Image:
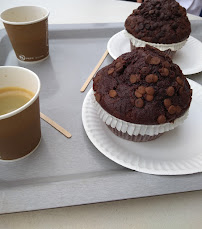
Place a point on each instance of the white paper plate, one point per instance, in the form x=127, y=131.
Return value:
x=189, y=58
x=174, y=153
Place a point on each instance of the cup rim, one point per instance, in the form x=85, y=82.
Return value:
x=30, y=102
x=27, y=22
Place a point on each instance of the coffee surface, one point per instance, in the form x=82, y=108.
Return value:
x=12, y=98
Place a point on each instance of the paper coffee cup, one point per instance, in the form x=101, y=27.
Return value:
x=27, y=29
x=20, y=130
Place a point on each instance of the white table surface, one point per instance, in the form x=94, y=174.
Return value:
x=169, y=211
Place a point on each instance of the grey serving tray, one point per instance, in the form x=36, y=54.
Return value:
x=66, y=172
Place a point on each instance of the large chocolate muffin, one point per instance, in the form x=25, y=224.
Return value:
x=159, y=21
x=143, y=87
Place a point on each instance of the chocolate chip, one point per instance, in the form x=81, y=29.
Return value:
x=137, y=30
x=155, y=60
x=97, y=77
x=110, y=71
x=155, y=78
x=149, y=97
x=146, y=14
x=148, y=59
x=112, y=93
x=179, y=80
x=145, y=70
x=172, y=74
x=172, y=109
x=147, y=26
x=161, y=34
x=170, y=91
x=134, y=78
x=132, y=24
x=138, y=94
x=161, y=119
x=149, y=90
x=151, y=11
x=164, y=71
x=167, y=103
x=174, y=25
x=141, y=26
x=166, y=64
x=97, y=97
x=141, y=90
x=139, y=103
x=181, y=90
x=178, y=109
x=118, y=66
x=128, y=21
x=151, y=78
x=140, y=35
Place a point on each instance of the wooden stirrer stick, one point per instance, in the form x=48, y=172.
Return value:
x=55, y=125
x=94, y=71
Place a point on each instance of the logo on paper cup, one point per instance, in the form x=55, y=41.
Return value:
x=22, y=57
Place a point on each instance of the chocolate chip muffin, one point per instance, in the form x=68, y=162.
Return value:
x=145, y=90
x=160, y=23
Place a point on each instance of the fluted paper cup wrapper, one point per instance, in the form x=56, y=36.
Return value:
x=27, y=29
x=134, y=138
x=163, y=47
x=132, y=128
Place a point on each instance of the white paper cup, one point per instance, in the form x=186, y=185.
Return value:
x=20, y=130
x=27, y=29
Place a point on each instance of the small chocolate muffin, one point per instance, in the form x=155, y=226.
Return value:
x=143, y=87
x=159, y=22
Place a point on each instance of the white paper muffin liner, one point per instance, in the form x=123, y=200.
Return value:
x=134, y=138
x=135, y=129
x=163, y=47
